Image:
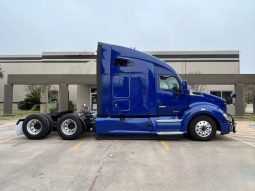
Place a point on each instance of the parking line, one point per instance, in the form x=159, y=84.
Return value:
x=245, y=137
x=5, y=140
x=165, y=145
x=245, y=142
x=77, y=145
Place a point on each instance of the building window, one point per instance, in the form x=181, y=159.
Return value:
x=226, y=95
x=52, y=96
x=216, y=93
x=93, y=99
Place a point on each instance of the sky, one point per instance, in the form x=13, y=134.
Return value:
x=34, y=26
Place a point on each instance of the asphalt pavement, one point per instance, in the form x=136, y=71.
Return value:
x=108, y=164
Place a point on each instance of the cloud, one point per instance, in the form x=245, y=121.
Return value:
x=76, y=25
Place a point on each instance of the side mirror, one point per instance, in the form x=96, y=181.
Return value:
x=233, y=95
x=185, y=87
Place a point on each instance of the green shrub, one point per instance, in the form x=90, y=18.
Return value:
x=70, y=105
x=55, y=107
x=31, y=101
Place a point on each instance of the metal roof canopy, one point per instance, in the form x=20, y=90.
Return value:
x=219, y=79
x=47, y=79
x=206, y=79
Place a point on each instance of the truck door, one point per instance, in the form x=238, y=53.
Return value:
x=170, y=99
x=121, y=93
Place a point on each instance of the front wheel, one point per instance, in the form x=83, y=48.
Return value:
x=202, y=128
x=69, y=126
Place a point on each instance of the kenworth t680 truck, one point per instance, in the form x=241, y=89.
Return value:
x=137, y=94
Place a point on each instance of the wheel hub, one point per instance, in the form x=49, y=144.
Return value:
x=68, y=126
x=34, y=126
x=71, y=125
x=37, y=125
x=203, y=128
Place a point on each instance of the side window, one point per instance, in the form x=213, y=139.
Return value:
x=122, y=62
x=169, y=83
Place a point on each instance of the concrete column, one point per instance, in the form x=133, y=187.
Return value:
x=8, y=98
x=253, y=101
x=83, y=96
x=240, y=99
x=44, y=100
x=63, y=97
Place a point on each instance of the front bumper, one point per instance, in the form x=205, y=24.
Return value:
x=228, y=125
x=232, y=126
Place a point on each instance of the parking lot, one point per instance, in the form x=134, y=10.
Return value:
x=226, y=163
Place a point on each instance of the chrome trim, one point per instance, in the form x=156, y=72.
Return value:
x=168, y=120
x=170, y=133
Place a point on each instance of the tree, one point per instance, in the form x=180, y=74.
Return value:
x=249, y=93
x=197, y=87
x=31, y=101
x=43, y=94
x=39, y=90
x=1, y=73
x=36, y=95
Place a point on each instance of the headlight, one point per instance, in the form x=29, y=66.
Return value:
x=226, y=116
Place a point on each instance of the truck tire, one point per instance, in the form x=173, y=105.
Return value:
x=69, y=126
x=51, y=123
x=202, y=128
x=35, y=126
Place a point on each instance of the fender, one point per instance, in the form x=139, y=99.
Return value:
x=203, y=108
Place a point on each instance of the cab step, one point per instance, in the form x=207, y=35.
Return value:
x=170, y=133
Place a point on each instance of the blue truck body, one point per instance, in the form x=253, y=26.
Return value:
x=140, y=94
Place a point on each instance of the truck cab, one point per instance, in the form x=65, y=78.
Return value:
x=140, y=94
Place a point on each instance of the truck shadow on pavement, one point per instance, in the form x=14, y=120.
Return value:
x=217, y=138
x=90, y=136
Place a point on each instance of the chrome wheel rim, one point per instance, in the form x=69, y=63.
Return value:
x=203, y=128
x=68, y=127
x=34, y=126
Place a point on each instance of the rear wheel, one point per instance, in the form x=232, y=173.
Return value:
x=69, y=126
x=51, y=123
x=35, y=126
x=202, y=128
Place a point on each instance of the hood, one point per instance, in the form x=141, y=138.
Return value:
x=204, y=97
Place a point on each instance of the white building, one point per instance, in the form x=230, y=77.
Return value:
x=184, y=62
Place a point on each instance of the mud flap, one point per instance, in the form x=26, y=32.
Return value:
x=18, y=128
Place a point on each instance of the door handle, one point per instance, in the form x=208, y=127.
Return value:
x=162, y=106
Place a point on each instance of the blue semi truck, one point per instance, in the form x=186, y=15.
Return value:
x=141, y=95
